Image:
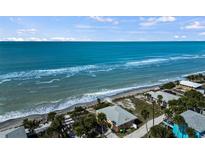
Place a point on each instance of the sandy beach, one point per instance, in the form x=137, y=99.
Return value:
x=18, y=121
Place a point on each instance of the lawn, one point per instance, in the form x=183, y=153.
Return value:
x=141, y=105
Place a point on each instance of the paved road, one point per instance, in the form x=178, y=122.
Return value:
x=110, y=134
x=142, y=131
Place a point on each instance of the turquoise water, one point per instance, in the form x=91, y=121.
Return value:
x=39, y=77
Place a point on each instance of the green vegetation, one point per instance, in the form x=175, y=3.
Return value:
x=78, y=112
x=145, y=115
x=191, y=132
x=142, y=105
x=86, y=126
x=57, y=129
x=169, y=85
x=51, y=116
x=160, y=131
x=159, y=101
x=31, y=124
x=101, y=105
x=191, y=100
x=102, y=121
x=196, y=78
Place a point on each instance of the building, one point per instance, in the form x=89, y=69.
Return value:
x=118, y=117
x=14, y=133
x=192, y=85
x=166, y=97
x=193, y=120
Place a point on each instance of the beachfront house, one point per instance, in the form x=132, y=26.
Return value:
x=18, y=132
x=166, y=97
x=118, y=117
x=192, y=85
x=193, y=120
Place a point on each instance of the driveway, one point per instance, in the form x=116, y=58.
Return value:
x=142, y=131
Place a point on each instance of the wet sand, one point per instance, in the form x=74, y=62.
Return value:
x=18, y=122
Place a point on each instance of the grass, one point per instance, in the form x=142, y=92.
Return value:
x=141, y=105
x=127, y=131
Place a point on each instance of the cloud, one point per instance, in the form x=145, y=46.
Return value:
x=16, y=39
x=155, y=20
x=180, y=36
x=62, y=39
x=30, y=31
x=202, y=33
x=104, y=19
x=194, y=25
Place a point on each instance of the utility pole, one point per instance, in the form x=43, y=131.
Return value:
x=153, y=103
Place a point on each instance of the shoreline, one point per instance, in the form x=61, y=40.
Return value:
x=12, y=123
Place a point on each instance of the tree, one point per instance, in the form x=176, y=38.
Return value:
x=179, y=120
x=169, y=85
x=159, y=97
x=145, y=115
x=57, y=126
x=86, y=125
x=191, y=132
x=148, y=96
x=159, y=131
x=51, y=116
x=168, y=113
x=102, y=120
x=31, y=124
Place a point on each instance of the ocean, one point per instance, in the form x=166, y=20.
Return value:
x=40, y=77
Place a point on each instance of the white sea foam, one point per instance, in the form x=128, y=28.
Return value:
x=5, y=80
x=47, y=82
x=146, y=62
x=91, y=69
x=59, y=105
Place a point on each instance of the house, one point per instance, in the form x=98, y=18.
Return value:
x=192, y=85
x=42, y=128
x=166, y=97
x=118, y=117
x=193, y=120
x=18, y=132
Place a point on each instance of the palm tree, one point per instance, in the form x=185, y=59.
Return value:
x=145, y=115
x=160, y=131
x=191, y=132
x=153, y=104
x=148, y=96
x=179, y=120
x=101, y=120
x=159, y=101
x=168, y=113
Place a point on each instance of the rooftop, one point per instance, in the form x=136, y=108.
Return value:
x=194, y=120
x=190, y=84
x=117, y=115
x=166, y=96
x=14, y=133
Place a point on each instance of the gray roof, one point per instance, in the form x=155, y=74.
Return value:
x=190, y=84
x=117, y=115
x=166, y=96
x=14, y=133
x=194, y=120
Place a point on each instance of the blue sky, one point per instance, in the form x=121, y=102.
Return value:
x=102, y=28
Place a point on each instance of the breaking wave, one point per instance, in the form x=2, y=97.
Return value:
x=60, y=104
x=90, y=69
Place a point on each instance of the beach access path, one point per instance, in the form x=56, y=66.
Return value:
x=142, y=131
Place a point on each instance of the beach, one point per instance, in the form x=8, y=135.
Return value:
x=41, y=77
x=12, y=123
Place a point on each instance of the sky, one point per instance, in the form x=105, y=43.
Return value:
x=102, y=28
